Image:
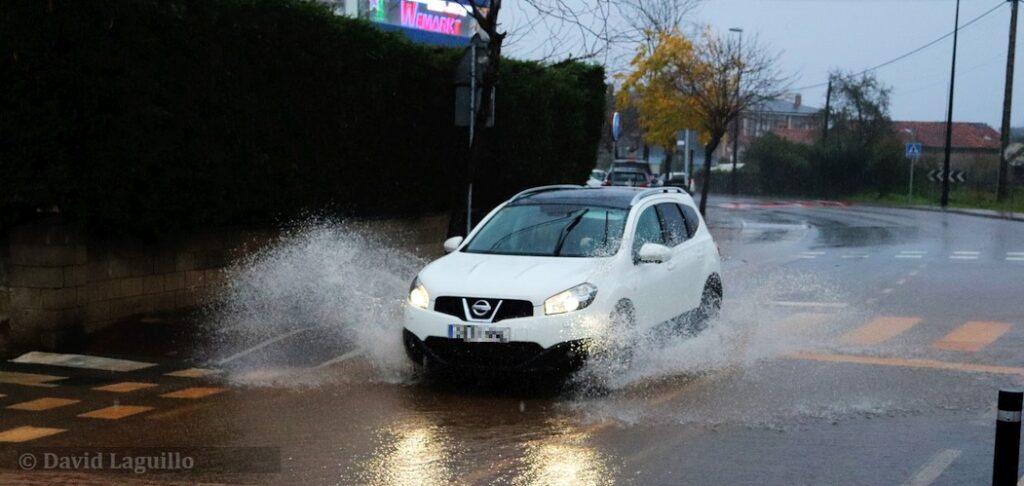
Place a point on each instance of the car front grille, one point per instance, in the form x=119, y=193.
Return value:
x=499, y=309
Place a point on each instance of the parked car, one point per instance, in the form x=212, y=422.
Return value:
x=631, y=165
x=555, y=271
x=675, y=179
x=596, y=178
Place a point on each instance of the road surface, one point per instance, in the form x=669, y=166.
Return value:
x=857, y=345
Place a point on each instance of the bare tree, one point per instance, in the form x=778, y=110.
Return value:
x=711, y=78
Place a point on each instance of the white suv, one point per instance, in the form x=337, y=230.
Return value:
x=556, y=269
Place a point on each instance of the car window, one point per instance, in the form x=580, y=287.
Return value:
x=648, y=230
x=551, y=230
x=692, y=220
x=675, y=225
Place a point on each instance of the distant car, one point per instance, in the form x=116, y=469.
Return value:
x=629, y=178
x=632, y=166
x=675, y=179
x=596, y=178
x=553, y=273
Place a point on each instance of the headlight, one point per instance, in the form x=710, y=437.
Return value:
x=570, y=300
x=418, y=295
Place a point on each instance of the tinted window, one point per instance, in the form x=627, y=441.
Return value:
x=675, y=225
x=692, y=220
x=648, y=229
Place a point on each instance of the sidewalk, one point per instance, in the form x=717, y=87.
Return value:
x=984, y=213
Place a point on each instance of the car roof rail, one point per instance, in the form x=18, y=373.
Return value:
x=538, y=190
x=657, y=190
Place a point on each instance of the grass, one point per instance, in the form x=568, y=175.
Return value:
x=959, y=198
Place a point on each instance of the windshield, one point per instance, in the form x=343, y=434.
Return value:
x=597, y=175
x=551, y=230
x=628, y=177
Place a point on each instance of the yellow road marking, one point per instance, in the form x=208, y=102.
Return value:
x=193, y=393
x=192, y=373
x=909, y=363
x=801, y=322
x=41, y=404
x=29, y=379
x=879, y=330
x=27, y=433
x=972, y=336
x=116, y=412
x=125, y=387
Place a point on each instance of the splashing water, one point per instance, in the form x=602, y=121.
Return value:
x=337, y=278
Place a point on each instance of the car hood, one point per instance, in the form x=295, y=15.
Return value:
x=508, y=277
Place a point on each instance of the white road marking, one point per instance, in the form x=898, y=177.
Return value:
x=81, y=361
x=887, y=291
x=808, y=257
x=1015, y=253
x=963, y=257
x=830, y=305
x=901, y=281
x=909, y=256
x=339, y=359
x=854, y=256
x=1015, y=259
x=913, y=273
x=967, y=253
x=818, y=253
x=934, y=468
x=913, y=252
x=264, y=344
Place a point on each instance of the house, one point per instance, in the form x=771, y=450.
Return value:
x=973, y=145
x=787, y=118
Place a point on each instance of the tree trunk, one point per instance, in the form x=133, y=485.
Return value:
x=666, y=167
x=709, y=149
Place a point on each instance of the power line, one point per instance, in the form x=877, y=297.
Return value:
x=915, y=51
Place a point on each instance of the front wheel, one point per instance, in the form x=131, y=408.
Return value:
x=710, y=303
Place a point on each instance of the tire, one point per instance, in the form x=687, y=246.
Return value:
x=710, y=303
x=618, y=353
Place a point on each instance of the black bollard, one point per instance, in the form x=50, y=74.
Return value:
x=1007, y=453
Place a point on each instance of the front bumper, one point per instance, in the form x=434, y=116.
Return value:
x=537, y=342
x=513, y=356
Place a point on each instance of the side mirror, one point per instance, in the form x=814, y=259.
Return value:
x=655, y=253
x=452, y=244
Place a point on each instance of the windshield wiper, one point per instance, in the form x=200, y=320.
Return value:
x=505, y=238
x=568, y=228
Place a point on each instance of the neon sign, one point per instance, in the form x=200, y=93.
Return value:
x=437, y=16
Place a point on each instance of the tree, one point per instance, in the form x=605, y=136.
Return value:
x=707, y=75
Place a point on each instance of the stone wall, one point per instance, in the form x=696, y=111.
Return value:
x=56, y=285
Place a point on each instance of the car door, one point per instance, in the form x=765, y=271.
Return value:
x=650, y=282
x=685, y=267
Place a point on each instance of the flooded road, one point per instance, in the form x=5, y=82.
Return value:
x=856, y=345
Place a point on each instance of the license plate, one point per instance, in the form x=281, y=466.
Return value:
x=479, y=334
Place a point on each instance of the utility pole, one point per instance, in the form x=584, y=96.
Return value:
x=739, y=116
x=828, y=108
x=949, y=113
x=1007, y=103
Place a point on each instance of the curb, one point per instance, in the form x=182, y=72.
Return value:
x=981, y=213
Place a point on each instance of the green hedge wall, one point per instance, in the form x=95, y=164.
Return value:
x=149, y=116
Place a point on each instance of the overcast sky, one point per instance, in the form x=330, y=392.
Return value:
x=815, y=36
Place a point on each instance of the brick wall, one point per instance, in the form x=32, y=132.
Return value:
x=56, y=285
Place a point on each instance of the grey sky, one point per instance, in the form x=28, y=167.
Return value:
x=814, y=36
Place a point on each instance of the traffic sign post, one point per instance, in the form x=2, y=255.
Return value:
x=616, y=129
x=913, y=153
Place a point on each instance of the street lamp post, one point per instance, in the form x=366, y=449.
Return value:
x=949, y=113
x=736, y=123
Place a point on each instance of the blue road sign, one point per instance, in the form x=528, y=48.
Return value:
x=913, y=151
x=616, y=126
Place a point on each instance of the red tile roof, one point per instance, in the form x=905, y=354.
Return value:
x=976, y=136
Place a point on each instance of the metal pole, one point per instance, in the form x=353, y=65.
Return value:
x=1007, y=446
x=736, y=124
x=828, y=108
x=1007, y=104
x=910, y=189
x=472, y=134
x=949, y=114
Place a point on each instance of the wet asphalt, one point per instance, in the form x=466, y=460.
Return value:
x=857, y=345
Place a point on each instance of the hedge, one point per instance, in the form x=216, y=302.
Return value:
x=151, y=116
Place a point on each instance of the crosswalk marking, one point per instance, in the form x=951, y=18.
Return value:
x=934, y=468
x=972, y=336
x=41, y=404
x=29, y=379
x=967, y=253
x=879, y=330
x=909, y=363
x=1015, y=259
x=26, y=433
x=963, y=257
x=850, y=257
x=116, y=412
x=125, y=387
x=913, y=252
x=193, y=393
x=81, y=361
x=192, y=373
x=909, y=256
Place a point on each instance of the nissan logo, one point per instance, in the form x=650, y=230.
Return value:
x=481, y=308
